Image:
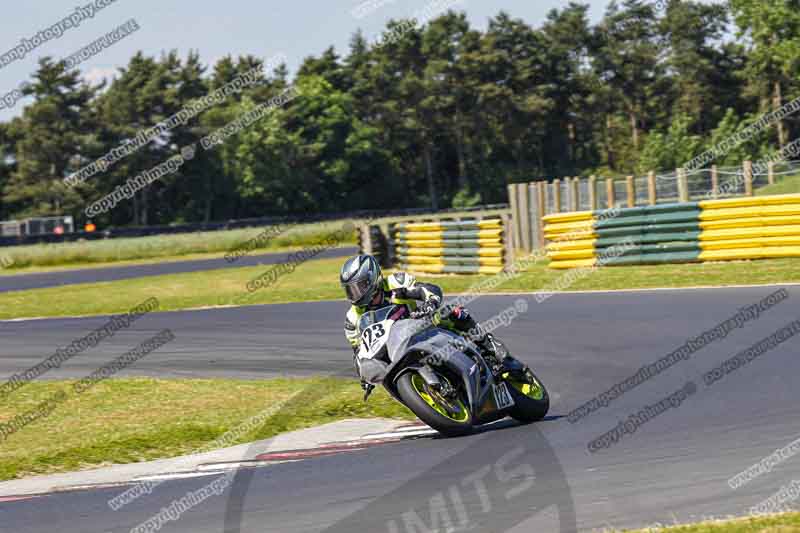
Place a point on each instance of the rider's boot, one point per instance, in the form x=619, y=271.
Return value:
x=492, y=350
x=494, y=353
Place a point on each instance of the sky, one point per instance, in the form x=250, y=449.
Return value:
x=294, y=28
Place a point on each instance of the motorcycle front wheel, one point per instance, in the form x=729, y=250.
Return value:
x=531, y=401
x=451, y=417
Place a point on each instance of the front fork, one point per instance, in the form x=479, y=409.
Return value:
x=434, y=383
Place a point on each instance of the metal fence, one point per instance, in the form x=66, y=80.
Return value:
x=37, y=226
x=531, y=201
x=12, y=234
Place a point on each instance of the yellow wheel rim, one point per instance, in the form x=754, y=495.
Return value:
x=419, y=386
x=531, y=390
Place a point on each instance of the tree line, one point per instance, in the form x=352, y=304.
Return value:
x=439, y=115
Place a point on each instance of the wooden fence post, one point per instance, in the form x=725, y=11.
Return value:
x=652, y=191
x=714, y=181
x=556, y=195
x=610, y=201
x=525, y=213
x=508, y=224
x=535, y=215
x=388, y=256
x=592, y=186
x=575, y=195
x=542, y=186
x=364, y=239
x=771, y=173
x=683, y=186
x=568, y=193
x=748, y=178
x=630, y=188
x=546, y=198
x=515, y=215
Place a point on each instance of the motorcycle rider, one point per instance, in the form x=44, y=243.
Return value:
x=367, y=290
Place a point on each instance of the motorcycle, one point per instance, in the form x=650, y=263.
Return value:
x=443, y=378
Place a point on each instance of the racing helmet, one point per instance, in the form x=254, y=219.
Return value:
x=361, y=279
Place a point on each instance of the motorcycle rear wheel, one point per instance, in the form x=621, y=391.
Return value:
x=451, y=418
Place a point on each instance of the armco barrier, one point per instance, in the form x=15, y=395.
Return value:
x=466, y=246
x=713, y=230
x=146, y=231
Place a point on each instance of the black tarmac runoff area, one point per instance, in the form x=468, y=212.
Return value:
x=42, y=280
x=606, y=469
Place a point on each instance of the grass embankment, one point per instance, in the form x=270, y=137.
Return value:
x=131, y=420
x=318, y=280
x=784, y=185
x=780, y=523
x=159, y=248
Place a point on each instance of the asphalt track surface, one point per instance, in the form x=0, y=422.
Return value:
x=512, y=478
x=43, y=280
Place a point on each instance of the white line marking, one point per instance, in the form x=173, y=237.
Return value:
x=175, y=475
x=220, y=467
x=410, y=428
x=651, y=289
x=417, y=433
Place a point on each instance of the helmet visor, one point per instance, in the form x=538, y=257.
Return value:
x=358, y=291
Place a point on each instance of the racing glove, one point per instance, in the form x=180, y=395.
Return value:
x=426, y=308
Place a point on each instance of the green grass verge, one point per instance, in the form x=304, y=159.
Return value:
x=132, y=262
x=157, y=248
x=779, y=523
x=318, y=280
x=132, y=420
x=785, y=185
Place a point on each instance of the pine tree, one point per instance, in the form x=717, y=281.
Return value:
x=49, y=138
x=773, y=30
x=627, y=59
